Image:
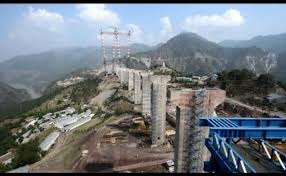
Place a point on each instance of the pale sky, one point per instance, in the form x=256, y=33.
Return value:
x=33, y=28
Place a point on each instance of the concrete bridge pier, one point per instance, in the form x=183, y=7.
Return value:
x=190, y=150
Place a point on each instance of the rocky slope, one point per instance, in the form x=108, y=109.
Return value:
x=191, y=54
x=10, y=96
x=273, y=43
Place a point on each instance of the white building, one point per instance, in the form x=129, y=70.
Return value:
x=170, y=165
x=25, y=135
x=49, y=141
x=31, y=123
x=187, y=79
x=7, y=158
x=70, y=110
x=24, y=169
x=276, y=98
x=196, y=78
x=29, y=136
x=66, y=121
x=204, y=78
x=91, y=115
x=47, y=116
x=46, y=124
x=78, y=123
x=87, y=113
x=214, y=77
x=171, y=169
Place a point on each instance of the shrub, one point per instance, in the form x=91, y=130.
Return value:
x=3, y=168
x=27, y=153
x=122, y=107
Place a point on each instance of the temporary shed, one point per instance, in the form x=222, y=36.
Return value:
x=49, y=141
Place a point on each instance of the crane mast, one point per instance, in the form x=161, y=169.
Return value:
x=116, y=47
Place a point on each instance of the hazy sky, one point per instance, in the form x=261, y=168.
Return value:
x=32, y=28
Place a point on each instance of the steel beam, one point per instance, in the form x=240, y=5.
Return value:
x=244, y=121
x=227, y=158
x=264, y=128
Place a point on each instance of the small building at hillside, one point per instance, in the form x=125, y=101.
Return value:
x=184, y=79
x=49, y=141
x=23, y=169
x=214, y=77
x=31, y=123
x=204, y=78
x=276, y=98
x=6, y=158
x=196, y=78
x=170, y=132
x=78, y=123
x=62, y=122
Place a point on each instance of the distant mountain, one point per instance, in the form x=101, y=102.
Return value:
x=158, y=45
x=230, y=43
x=191, y=54
x=10, y=96
x=139, y=47
x=280, y=71
x=271, y=43
x=35, y=72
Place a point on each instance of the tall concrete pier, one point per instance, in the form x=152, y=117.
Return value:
x=125, y=78
x=146, y=93
x=120, y=75
x=158, y=107
x=116, y=68
x=130, y=79
x=137, y=88
x=190, y=150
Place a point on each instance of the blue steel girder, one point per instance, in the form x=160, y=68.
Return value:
x=227, y=158
x=242, y=122
x=272, y=153
x=265, y=128
x=255, y=133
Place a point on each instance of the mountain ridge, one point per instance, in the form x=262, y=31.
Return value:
x=272, y=43
x=34, y=72
x=9, y=96
x=190, y=53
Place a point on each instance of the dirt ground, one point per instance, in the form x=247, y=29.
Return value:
x=152, y=169
x=66, y=155
x=108, y=157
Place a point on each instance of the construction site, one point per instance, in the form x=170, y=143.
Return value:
x=198, y=130
x=164, y=105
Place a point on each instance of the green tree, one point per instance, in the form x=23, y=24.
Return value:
x=3, y=168
x=123, y=107
x=282, y=84
x=27, y=153
x=265, y=82
x=7, y=140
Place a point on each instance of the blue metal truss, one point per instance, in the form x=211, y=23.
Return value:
x=265, y=128
x=271, y=152
x=222, y=129
x=228, y=159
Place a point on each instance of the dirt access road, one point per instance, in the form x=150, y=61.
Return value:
x=253, y=108
x=143, y=164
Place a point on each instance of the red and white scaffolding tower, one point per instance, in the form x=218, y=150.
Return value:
x=115, y=47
